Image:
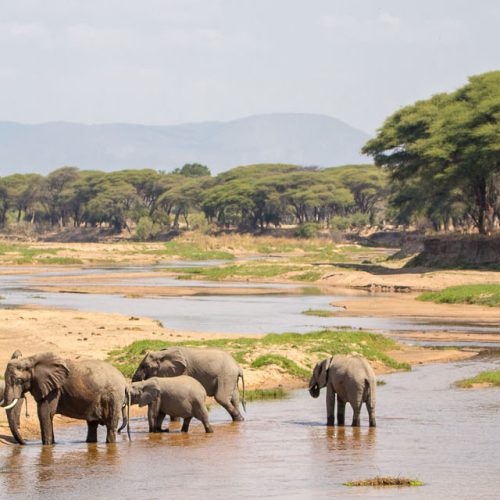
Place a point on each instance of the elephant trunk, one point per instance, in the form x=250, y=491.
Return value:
x=14, y=417
x=314, y=388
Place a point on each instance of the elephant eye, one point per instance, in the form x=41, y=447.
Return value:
x=19, y=381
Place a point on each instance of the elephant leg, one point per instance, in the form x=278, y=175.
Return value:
x=371, y=412
x=46, y=410
x=185, y=424
x=92, y=432
x=340, y=411
x=202, y=415
x=330, y=405
x=112, y=424
x=159, y=421
x=356, y=407
x=153, y=416
x=235, y=401
x=224, y=397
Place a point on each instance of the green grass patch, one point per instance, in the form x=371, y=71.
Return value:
x=59, y=260
x=24, y=254
x=487, y=295
x=314, y=346
x=216, y=273
x=184, y=250
x=265, y=394
x=322, y=313
x=283, y=362
x=308, y=276
x=488, y=377
x=385, y=481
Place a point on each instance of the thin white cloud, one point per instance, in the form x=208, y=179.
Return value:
x=22, y=30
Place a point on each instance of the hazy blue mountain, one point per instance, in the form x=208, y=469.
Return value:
x=303, y=139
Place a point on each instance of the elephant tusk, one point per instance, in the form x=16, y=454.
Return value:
x=9, y=407
x=1, y=402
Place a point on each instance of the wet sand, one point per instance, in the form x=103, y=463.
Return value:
x=406, y=306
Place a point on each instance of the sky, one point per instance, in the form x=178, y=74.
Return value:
x=163, y=62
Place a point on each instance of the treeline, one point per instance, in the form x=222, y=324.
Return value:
x=248, y=198
x=443, y=158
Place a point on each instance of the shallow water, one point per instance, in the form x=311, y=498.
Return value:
x=239, y=314
x=427, y=429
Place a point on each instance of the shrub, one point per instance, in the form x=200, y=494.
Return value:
x=307, y=230
x=146, y=229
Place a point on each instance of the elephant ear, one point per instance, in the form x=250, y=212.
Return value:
x=49, y=373
x=149, y=393
x=322, y=374
x=172, y=362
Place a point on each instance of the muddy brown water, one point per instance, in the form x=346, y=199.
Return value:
x=427, y=429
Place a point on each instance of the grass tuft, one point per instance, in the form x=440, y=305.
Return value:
x=385, y=481
x=265, y=394
x=322, y=313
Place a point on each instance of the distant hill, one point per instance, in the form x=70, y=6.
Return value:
x=302, y=139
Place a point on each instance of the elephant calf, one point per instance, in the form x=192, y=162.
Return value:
x=350, y=377
x=181, y=396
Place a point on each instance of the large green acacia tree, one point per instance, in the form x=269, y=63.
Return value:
x=443, y=154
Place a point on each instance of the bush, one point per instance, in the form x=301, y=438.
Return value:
x=307, y=230
x=356, y=220
x=146, y=229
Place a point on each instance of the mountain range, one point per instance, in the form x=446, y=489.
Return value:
x=297, y=138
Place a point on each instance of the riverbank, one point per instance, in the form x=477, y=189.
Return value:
x=75, y=334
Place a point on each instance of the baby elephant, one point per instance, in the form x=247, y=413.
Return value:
x=181, y=396
x=350, y=377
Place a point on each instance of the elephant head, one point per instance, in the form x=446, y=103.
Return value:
x=40, y=374
x=319, y=377
x=144, y=393
x=165, y=363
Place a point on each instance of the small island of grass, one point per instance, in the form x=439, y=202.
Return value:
x=486, y=295
x=486, y=378
x=385, y=481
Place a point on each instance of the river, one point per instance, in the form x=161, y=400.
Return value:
x=427, y=429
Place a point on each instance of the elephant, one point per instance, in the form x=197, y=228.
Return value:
x=216, y=370
x=13, y=414
x=181, y=396
x=90, y=390
x=350, y=377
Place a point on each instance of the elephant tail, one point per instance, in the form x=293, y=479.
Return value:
x=243, y=400
x=129, y=402
x=126, y=414
x=370, y=390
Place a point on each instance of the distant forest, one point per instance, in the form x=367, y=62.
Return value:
x=248, y=198
x=437, y=166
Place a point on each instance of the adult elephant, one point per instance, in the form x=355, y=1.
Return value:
x=89, y=390
x=216, y=370
x=352, y=379
x=13, y=414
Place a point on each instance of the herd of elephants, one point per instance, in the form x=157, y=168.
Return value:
x=173, y=381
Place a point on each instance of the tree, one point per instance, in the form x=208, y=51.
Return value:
x=193, y=170
x=446, y=150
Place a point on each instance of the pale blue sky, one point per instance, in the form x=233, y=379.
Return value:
x=171, y=61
